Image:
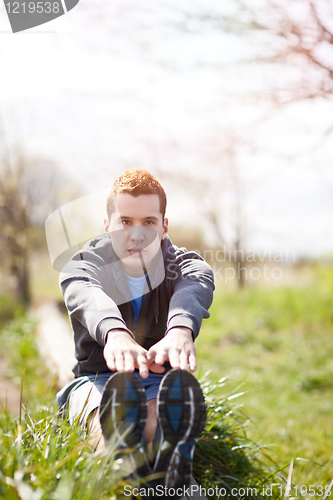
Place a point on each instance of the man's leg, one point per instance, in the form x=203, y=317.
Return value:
x=150, y=428
x=97, y=440
x=78, y=399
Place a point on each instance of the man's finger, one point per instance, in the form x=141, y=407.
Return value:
x=119, y=359
x=156, y=368
x=183, y=360
x=129, y=362
x=174, y=358
x=193, y=361
x=141, y=363
x=161, y=357
x=111, y=363
x=153, y=367
x=151, y=355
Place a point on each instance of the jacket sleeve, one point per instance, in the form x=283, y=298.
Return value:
x=82, y=286
x=192, y=283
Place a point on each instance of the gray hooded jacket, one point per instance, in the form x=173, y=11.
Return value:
x=178, y=293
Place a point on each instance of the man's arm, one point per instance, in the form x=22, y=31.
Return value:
x=82, y=285
x=193, y=286
x=87, y=303
x=192, y=295
x=106, y=326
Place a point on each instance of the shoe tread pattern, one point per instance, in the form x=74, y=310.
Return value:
x=182, y=416
x=124, y=404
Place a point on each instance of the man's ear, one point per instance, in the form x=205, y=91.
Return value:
x=165, y=228
x=106, y=225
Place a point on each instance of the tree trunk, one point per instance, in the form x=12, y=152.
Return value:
x=240, y=265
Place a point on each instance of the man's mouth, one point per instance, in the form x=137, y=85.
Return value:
x=135, y=250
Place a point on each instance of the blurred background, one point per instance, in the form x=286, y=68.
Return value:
x=230, y=105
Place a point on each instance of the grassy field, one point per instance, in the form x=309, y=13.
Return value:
x=43, y=458
x=271, y=350
x=276, y=345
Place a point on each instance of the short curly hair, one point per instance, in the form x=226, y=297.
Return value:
x=135, y=182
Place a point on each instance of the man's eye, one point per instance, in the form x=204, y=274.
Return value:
x=150, y=222
x=125, y=222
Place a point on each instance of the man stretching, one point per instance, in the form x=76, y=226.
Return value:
x=136, y=303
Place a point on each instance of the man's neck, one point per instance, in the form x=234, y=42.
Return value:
x=135, y=273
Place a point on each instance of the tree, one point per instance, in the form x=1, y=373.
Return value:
x=30, y=188
x=298, y=40
x=219, y=189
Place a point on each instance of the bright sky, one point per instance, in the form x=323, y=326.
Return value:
x=136, y=83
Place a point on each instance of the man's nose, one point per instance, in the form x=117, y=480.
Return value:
x=137, y=233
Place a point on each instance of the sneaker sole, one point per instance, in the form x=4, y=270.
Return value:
x=123, y=410
x=181, y=412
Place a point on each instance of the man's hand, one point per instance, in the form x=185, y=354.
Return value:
x=122, y=353
x=177, y=347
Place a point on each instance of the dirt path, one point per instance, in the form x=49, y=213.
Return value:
x=55, y=342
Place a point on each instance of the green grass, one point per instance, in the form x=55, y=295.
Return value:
x=272, y=350
x=42, y=457
x=9, y=309
x=226, y=458
x=278, y=343
x=24, y=365
x=44, y=279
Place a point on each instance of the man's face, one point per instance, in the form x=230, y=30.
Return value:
x=136, y=229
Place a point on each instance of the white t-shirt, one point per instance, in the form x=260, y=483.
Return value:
x=136, y=286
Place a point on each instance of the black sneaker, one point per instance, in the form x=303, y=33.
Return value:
x=123, y=415
x=181, y=412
